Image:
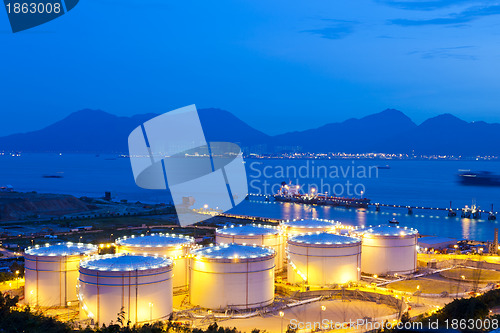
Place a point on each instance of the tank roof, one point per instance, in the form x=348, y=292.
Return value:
x=233, y=251
x=249, y=230
x=61, y=249
x=311, y=223
x=324, y=238
x=125, y=262
x=155, y=240
x=386, y=230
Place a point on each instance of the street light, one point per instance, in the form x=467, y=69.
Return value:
x=462, y=277
x=323, y=308
x=418, y=294
x=150, y=312
x=282, y=314
x=17, y=279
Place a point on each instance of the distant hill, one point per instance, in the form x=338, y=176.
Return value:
x=447, y=134
x=353, y=135
x=18, y=206
x=389, y=131
x=96, y=131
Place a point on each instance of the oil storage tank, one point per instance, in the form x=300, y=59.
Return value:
x=258, y=234
x=174, y=246
x=232, y=276
x=138, y=285
x=388, y=250
x=323, y=258
x=51, y=273
x=295, y=227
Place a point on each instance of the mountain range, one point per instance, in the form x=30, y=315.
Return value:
x=389, y=131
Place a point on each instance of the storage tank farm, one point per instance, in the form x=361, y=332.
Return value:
x=296, y=227
x=51, y=273
x=388, y=250
x=258, y=234
x=140, y=285
x=232, y=276
x=322, y=259
x=174, y=246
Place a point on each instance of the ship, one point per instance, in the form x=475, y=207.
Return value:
x=394, y=221
x=291, y=194
x=479, y=178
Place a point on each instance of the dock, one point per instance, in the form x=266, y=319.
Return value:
x=466, y=212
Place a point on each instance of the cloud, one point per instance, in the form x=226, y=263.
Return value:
x=424, y=5
x=468, y=15
x=337, y=29
x=447, y=53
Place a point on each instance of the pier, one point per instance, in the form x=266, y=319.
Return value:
x=466, y=212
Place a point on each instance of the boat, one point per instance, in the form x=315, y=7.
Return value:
x=383, y=166
x=394, y=221
x=52, y=176
x=291, y=194
x=479, y=178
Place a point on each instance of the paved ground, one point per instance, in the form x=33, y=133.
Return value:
x=335, y=311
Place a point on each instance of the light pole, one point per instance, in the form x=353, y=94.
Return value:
x=418, y=295
x=17, y=279
x=282, y=314
x=150, y=312
x=462, y=277
x=323, y=308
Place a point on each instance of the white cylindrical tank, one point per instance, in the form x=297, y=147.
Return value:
x=322, y=259
x=296, y=227
x=51, y=273
x=232, y=276
x=388, y=250
x=258, y=234
x=176, y=247
x=138, y=285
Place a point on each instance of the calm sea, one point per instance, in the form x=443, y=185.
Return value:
x=422, y=183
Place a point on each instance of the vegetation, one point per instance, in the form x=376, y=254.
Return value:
x=14, y=320
x=16, y=270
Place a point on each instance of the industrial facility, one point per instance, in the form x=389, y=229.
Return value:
x=51, y=273
x=323, y=259
x=296, y=227
x=232, y=276
x=237, y=275
x=257, y=234
x=176, y=247
x=388, y=250
x=138, y=285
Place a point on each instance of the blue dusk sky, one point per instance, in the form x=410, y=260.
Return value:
x=278, y=65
